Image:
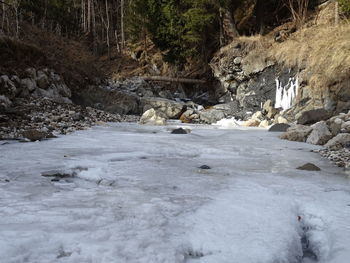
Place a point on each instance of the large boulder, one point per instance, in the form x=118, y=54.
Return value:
x=297, y=133
x=151, y=117
x=211, y=116
x=114, y=101
x=313, y=116
x=171, y=109
x=320, y=134
x=340, y=140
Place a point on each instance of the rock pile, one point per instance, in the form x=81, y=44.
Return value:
x=41, y=118
x=333, y=133
x=267, y=116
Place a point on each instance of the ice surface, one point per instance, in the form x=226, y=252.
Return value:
x=135, y=194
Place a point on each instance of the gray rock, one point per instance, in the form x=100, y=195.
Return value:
x=211, y=116
x=320, y=134
x=341, y=139
x=279, y=127
x=313, y=116
x=309, y=167
x=30, y=73
x=297, y=133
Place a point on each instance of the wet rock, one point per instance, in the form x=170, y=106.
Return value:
x=320, y=134
x=181, y=131
x=309, y=167
x=297, y=133
x=204, y=167
x=279, y=127
x=313, y=116
x=151, y=117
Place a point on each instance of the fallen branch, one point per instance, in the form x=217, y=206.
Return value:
x=179, y=80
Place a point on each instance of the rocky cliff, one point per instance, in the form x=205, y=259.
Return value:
x=315, y=58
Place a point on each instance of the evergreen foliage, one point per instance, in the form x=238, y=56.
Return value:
x=345, y=6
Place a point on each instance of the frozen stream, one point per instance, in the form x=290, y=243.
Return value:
x=137, y=195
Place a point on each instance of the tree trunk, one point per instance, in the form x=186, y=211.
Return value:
x=122, y=23
x=107, y=29
x=177, y=80
x=259, y=9
x=229, y=26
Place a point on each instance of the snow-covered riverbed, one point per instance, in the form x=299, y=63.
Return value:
x=137, y=195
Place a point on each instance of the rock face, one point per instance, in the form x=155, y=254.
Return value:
x=151, y=117
x=320, y=134
x=297, y=133
x=39, y=84
x=248, y=77
x=313, y=116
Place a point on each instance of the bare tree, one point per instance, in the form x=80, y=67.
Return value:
x=298, y=9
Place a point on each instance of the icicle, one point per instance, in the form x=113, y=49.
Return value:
x=286, y=94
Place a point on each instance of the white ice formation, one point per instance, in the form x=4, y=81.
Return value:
x=286, y=94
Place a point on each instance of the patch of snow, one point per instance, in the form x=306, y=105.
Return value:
x=228, y=123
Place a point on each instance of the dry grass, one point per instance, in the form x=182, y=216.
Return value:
x=323, y=50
